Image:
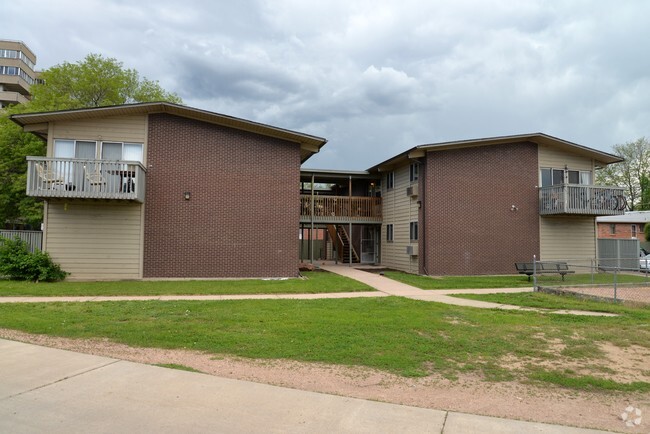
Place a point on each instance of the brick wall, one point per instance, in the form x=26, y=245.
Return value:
x=470, y=227
x=623, y=231
x=243, y=216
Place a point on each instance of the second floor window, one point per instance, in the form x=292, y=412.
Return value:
x=390, y=180
x=389, y=232
x=550, y=176
x=413, y=171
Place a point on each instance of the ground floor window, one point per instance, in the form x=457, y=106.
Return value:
x=413, y=231
x=389, y=232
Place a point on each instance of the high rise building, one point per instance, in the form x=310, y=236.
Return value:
x=17, y=74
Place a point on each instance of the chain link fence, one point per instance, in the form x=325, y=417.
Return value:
x=595, y=279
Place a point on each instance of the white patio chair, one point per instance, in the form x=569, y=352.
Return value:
x=94, y=178
x=48, y=177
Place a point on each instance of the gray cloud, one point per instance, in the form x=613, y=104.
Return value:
x=375, y=77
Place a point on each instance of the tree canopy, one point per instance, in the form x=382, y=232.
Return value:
x=93, y=82
x=632, y=174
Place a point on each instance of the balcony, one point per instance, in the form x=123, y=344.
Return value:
x=85, y=179
x=340, y=209
x=566, y=199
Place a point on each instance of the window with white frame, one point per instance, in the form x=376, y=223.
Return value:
x=550, y=176
x=413, y=171
x=90, y=150
x=413, y=231
x=389, y=232
x=390, y=180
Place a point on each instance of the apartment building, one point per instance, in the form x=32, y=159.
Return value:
x=17, y=72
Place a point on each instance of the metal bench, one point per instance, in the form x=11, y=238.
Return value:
x=528, y=268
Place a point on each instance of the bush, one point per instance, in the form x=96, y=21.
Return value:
x=18, y=263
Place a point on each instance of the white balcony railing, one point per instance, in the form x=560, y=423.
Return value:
x=85, y=179
x=581, y=200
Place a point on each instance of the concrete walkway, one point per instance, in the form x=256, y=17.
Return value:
x=393, y=287
x=385, y=287
x=56, y=391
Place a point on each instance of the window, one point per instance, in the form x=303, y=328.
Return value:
x=633, y=231
x=122, y=151
x=413, y=171
x=612, y=229
x=389, y=233
x=551, y=177
x=390, y=180
x=413, y=231
x=75, y=149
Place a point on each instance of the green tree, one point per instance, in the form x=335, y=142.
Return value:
x=629, y=173
x=93, y=82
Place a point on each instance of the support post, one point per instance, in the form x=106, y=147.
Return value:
x=534, y=272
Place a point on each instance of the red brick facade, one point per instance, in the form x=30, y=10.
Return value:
x=242, y=216
x=470, y=225
x=621, y=231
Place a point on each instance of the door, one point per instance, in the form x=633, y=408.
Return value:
x=368, y=245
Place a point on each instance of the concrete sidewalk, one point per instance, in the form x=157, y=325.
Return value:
x=56, y=391
x=393, y=287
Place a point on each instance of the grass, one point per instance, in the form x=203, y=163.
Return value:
x=548, y=301
x=314, y=282
x=514, y=281
x=402, y=336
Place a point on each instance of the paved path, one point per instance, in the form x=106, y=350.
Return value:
x=393, y=287
x=385, y=287
x=57, y=391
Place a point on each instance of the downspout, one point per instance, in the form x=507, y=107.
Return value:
x=422, y=215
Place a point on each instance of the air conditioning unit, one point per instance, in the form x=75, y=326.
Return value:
x=412, y=250
x=412, y=191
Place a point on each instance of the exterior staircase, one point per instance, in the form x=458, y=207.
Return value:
x=341, y=241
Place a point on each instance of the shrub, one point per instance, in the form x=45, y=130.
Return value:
x=18, y=263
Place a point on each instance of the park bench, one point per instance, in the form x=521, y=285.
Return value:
x=528, y=268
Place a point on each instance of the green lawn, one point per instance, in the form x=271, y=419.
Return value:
x=515, y=281
x=407, y=337
x=314, y=282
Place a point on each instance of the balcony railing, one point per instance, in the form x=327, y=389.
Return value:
x=85, y=179
x=581, y=200
x=340, y=209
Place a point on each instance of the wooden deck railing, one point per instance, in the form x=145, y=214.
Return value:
x=340, y=208
x=85, y=179
x=581, y=200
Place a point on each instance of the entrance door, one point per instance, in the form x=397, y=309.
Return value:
x=368, y=244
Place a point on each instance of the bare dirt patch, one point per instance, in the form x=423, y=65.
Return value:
x=468, y=394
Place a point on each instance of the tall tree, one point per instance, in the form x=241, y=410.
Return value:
x=93, y=82
x=631, y=172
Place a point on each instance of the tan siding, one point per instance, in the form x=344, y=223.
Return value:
x=567, y=238
x=551, y=157
x=114, y=128
x=398, y=209
x=95, y=240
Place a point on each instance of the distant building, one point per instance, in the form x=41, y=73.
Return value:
x=628, y=226
x=17, y=73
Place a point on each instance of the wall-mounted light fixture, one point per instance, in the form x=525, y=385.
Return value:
x=514, y=208
x=419, y=202
x=187, y=195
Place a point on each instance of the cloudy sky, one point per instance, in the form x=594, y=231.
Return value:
x=374, y=77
